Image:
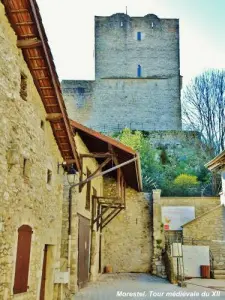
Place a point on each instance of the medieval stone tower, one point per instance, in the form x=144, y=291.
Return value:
x=137, y=76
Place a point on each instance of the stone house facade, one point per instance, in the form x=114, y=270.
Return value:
x=54, y=238
x=123, y=231
x=30, y=149
x=137, y=76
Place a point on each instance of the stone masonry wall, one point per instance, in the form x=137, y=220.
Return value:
x=118, y=98
x=127, y=239
x=25, y=195
x=78, y=208
x=201, y=204
x=209, y=229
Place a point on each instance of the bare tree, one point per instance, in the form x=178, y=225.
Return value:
x=204, y=108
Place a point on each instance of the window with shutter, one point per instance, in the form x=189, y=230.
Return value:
x=22, y=259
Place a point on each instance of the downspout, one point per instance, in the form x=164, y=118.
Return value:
x=69, y=235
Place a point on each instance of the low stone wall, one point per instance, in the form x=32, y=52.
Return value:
x=127, y=239
x=201, y=204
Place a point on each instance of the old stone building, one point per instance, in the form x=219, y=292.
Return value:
x=137, y=76
x=35, y=137
x=110, y=223
x=56, y=236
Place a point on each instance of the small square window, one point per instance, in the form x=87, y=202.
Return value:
x=49, y=177
x=23, y=86
x=80, y=90
x=139, y=36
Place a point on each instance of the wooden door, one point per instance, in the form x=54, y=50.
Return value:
x=43, y=277
x=83, y=251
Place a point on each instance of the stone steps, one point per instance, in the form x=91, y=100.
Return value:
x=219, y=274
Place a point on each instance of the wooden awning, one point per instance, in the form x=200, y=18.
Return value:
x=25, y=19
x=217, y=162
x=101, y=146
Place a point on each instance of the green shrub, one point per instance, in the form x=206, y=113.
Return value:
x=186, y=180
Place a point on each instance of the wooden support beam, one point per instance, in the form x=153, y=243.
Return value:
x=16, y=11
x=29, y=43
x=24, y=23
x=109, y=215
x=112, y=217
x=116, y=204
x=45, y=78
x=39, y=68
x=96, y=155
x=35, y=57
x=46, y=87
x=51, y=105
x=54, y=117
x=104, y=211
x=98, y=170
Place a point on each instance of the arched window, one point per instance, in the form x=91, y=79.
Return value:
x=139, y=71
x=22, y=259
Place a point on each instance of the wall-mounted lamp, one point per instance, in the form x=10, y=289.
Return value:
x=70, y=171
x=71, y=174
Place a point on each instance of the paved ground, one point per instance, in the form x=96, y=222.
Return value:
x=144, y=286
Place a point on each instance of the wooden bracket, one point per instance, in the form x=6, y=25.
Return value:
x=54, y=117
x=29, y=43
x=98, y=170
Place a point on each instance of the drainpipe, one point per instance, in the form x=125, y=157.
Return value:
x=69, y=235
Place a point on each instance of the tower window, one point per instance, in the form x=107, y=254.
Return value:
x=139, y=36
x=139, y=71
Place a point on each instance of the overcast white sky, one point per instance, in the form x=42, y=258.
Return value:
x=70, y=29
